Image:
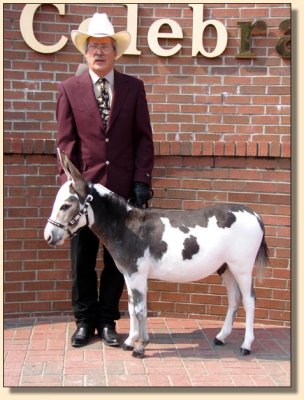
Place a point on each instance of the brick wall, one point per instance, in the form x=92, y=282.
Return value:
x=221, y=132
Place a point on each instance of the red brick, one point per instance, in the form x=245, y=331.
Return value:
x=221, y=131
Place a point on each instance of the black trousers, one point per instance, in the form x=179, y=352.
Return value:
x=92, y=305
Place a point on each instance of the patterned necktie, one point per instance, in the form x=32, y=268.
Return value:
x=103, y=100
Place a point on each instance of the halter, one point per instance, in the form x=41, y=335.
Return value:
x=74, y=221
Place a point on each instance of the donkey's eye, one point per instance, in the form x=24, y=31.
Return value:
x=64, y=207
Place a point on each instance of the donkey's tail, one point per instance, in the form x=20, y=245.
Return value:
x=261, y=260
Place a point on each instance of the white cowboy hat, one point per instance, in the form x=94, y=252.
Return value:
x=99, y=26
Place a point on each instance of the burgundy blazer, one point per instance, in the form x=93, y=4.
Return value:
x=122, y=154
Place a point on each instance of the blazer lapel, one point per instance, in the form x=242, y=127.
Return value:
x=121, y=89
x=87, y=96
x=88, y=100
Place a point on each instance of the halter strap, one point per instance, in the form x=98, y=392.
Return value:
x=74, y=221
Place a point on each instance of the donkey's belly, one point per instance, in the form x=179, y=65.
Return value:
x=183, y=271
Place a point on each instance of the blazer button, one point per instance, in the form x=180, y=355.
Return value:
x=107, y=162
x=107, y=140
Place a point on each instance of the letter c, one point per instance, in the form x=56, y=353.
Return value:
x=27, y=32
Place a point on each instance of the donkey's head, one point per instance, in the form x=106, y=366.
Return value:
x=71, y=208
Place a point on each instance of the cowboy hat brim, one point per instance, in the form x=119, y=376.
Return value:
x=80, y=36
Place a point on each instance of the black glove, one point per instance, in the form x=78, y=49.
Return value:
x=142, y=193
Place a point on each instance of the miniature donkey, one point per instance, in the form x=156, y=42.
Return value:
x=175, y=246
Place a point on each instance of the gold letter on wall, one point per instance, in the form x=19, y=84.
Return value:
x=249, y=29
x=27, y=32
x=283, y=46
x=198, y=33
x=132, y=29
x=154, y=35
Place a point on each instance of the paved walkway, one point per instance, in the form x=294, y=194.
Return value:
x=37, y=352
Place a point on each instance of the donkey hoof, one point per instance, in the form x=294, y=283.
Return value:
x=126, y=347
x=218, y=342
x=138, y=354
x=245, y=352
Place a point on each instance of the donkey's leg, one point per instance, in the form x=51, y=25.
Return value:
x=234, y=297
x=246, y=288
x=129, y=343
x=140, y=306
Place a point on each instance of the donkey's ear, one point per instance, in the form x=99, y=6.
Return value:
x=78, y=183
x=63, y=159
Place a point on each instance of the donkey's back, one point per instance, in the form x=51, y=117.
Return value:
x=190, y=245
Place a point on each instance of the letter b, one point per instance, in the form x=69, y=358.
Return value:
x=198, y=32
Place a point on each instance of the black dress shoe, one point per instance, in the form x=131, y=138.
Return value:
x=108, y=335
x=82, y=336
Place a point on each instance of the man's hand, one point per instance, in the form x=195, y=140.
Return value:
x=142, y=193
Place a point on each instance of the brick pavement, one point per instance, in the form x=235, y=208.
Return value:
x=37, y=352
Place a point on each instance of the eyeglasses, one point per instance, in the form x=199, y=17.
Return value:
x=105, y=48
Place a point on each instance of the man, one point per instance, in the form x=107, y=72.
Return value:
x=104, y=128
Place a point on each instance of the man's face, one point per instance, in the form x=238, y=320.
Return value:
x=100, y=55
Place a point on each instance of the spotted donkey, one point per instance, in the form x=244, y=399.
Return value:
x=174, y=246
